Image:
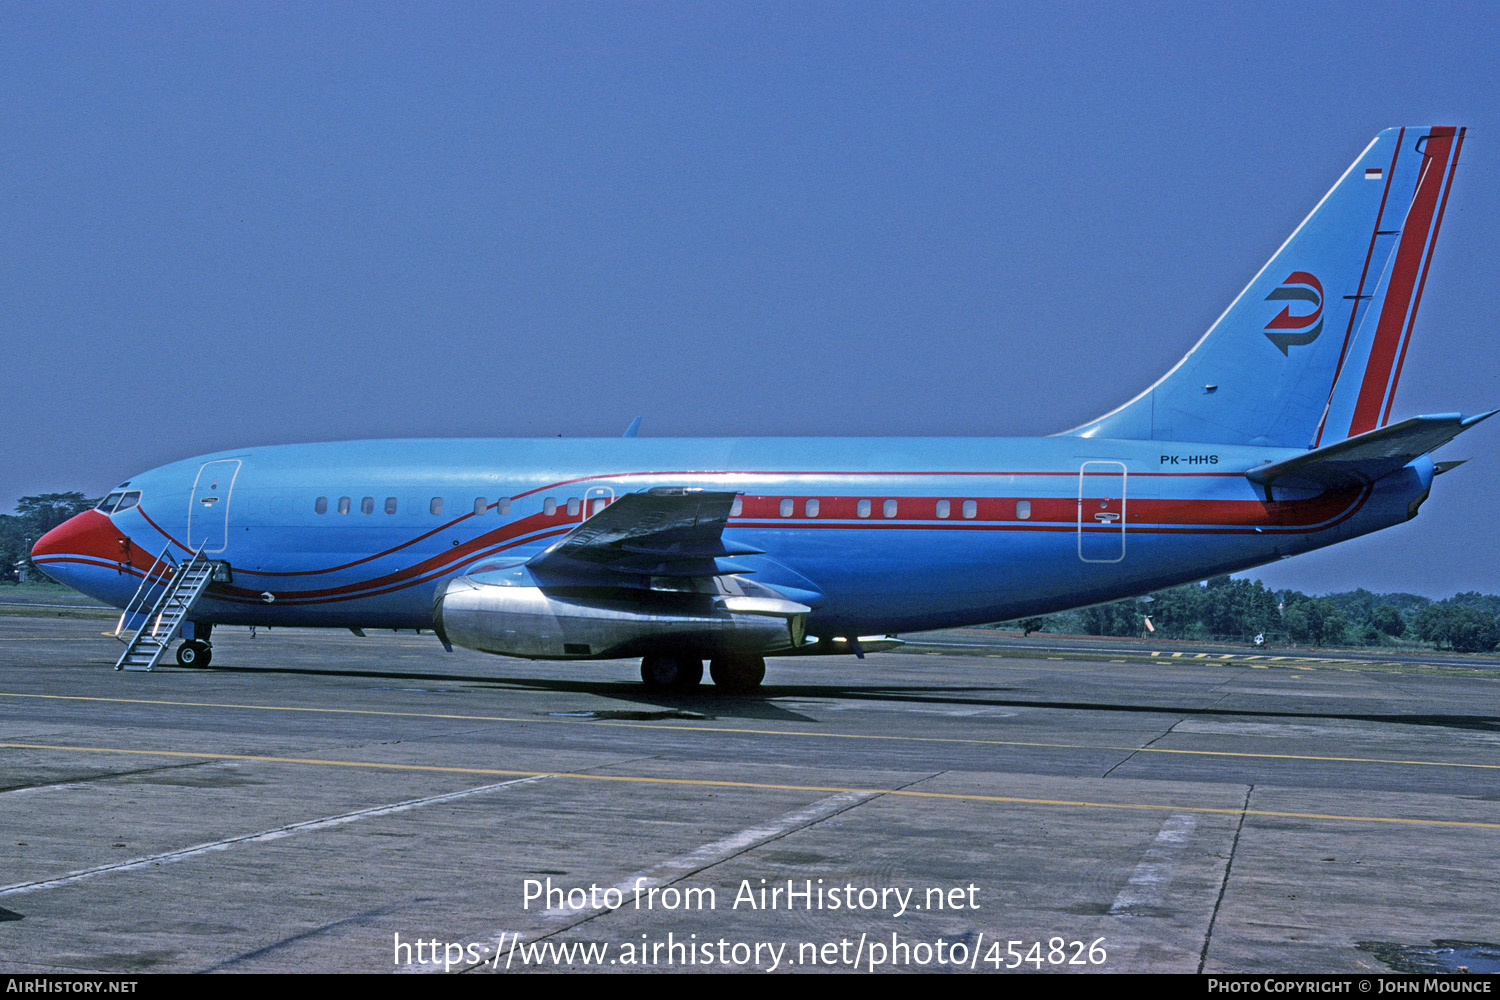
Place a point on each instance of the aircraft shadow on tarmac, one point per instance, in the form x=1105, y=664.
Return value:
x=707, y=703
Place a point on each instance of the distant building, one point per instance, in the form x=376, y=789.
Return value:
x=23, y=565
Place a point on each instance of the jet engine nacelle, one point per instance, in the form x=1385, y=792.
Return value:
x=560, y=623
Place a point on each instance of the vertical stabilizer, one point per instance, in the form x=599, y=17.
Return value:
x=1311, y=350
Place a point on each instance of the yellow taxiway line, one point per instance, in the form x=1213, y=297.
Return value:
x=763, y=786
x=743, y=731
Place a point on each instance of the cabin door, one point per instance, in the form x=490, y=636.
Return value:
x=208, y=506
x=1101, y=512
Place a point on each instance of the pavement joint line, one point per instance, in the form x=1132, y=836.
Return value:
x=306, y=826
x=1234, y=846
x=768, y=786
x=93, y=780
x=737, y=730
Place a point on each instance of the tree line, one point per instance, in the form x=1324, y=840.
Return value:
x=1228, y=610
x=34, y=517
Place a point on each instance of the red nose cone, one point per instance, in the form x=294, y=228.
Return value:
x=88, y=534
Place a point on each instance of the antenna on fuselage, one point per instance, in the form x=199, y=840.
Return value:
x=635, y=425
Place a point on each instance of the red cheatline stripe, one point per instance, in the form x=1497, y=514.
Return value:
x=1416, y=234
x=1145, y=516
x=1447, y=187
x=1359, y=289
x=1232, y=517
x=1170, y=515
x=661, y=474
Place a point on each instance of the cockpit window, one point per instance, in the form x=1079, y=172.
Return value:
x=119, y=501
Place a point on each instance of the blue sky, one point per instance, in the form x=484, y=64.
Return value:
x=236, y=224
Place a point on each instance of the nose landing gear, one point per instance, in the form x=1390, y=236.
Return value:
x=194, y=653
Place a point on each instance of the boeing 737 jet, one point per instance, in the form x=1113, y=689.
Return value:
x=1273, y=436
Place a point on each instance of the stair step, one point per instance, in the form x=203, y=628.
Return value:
x=175, y=602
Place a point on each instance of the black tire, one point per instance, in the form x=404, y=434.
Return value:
x=737, y=674
x=691, y=674
x=670, y=672
x=194, y=654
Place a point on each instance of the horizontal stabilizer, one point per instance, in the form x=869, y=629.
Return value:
x=1366, y=457
x=661, y=532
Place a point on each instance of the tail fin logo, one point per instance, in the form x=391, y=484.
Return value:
x=1287, y=330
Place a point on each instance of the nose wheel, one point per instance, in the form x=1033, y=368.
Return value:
x=194, y=653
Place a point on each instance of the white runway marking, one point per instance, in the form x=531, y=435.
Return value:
x=670, y=870
x=1154, y=873
x=307, y=826
x=724, y=848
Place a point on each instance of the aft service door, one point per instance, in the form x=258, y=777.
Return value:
x=1101, y=512
x=208, y=507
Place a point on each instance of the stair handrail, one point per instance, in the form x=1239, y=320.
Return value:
x=173, y=585
x=138, y=597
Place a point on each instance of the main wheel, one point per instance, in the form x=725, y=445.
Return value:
x=671, y=672
x=194, y=653
x=738, y=674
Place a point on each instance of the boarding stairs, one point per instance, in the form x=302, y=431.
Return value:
x=154, y=617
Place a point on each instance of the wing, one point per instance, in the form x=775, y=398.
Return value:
x=663, y=532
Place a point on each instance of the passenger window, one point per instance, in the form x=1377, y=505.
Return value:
x=1023, y=510
x=128, y=501
x=502, y=506
x=889, y=508
x=436, y=506
x=390, y=505
x=943, y=508
x=320, y=505
x=862, y=508
x=343, y=505
x=786, y=508
x=367, y=505
x=738, y=507
x=597, y=504
x=811, y=508
x=479, y=505
x=971, y=508
x=573, y=506
x=549, y=506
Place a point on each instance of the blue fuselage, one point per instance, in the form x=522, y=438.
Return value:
x=874, y=534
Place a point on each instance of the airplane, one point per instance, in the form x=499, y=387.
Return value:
x=1271, y=437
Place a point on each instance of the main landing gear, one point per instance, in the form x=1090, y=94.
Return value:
x=671, y=672
x=194, y=653
x=677, y=672
x=737, y=674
